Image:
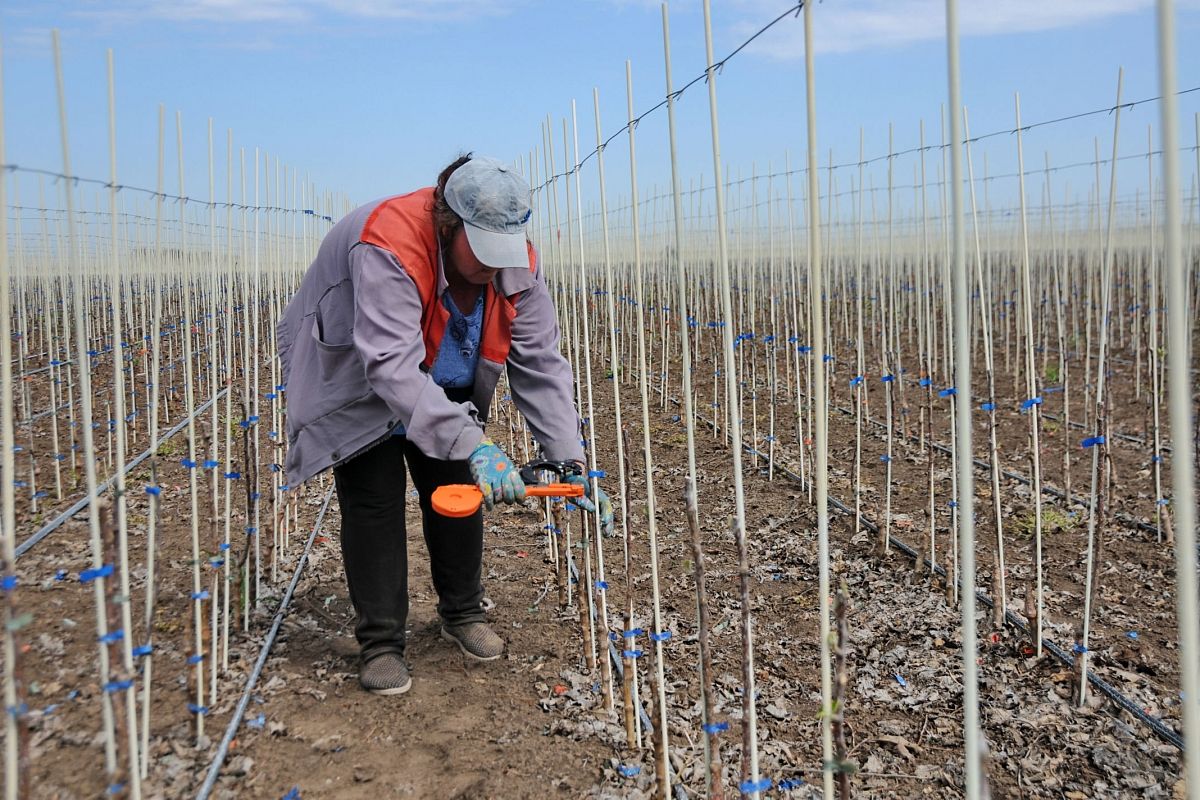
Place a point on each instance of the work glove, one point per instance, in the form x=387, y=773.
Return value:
x=495, y=474
x=589, y=503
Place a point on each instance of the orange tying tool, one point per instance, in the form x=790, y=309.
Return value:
x=463, y=499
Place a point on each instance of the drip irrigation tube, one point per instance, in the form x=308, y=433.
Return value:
x=57, y=522
x=1155, y=724
x=214, y=769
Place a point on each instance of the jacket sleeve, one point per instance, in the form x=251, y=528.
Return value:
x=543, y=385
x=387, y=335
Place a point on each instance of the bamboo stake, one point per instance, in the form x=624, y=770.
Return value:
x=750, y=772
x=1187, y=598
x=816, y=286
x=1097, y=442
x=973, y=740
x=75, y=279
x=712, y=750
x=15, y=783
x=1033, y=402
x=662, y=750
x=119, y=509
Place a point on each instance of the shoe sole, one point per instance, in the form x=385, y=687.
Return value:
x=449, y=638
x=393, y=690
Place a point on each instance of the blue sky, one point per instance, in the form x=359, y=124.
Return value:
x=372, y=97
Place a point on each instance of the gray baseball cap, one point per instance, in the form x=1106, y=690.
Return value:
x=493, y=201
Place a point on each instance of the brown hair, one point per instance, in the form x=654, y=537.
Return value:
x=445, y=221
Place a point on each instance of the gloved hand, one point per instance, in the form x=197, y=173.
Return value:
x=495, y=474
x=589, y=503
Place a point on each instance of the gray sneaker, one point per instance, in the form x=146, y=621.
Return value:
x=385, y=674
x=475, y=639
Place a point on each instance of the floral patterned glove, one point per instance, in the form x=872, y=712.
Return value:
x=495, y=474
x=589, y=503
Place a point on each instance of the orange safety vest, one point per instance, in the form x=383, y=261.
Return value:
x=404, y=227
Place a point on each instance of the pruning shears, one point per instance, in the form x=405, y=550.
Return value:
x=464, y=499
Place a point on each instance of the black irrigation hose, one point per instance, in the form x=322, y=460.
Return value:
x=57, y=522
x=214, y=769
x=1154, y=723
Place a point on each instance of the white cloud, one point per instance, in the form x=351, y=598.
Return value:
x=842, y=27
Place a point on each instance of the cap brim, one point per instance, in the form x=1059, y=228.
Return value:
x=497, y=250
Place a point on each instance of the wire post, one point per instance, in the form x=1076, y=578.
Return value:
x=816, y=290
x=962, y=379
x=1179, y=397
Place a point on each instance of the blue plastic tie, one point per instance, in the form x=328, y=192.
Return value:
x=628, y=772
x=629, y=634
x=201, y=595
x=201, y=710
x=924, y=382
x=1030, y=403
x=749, y=787
x=115, y=788
x=888, y=378
x=224, y=546
x=601, y=585
x=232, y=476
x=60, y=575
x=806, y=349
x=89, y=575
x=949, y=391
x=596, y=473
x=117, y=686
x=196, y=659
x=988, y=406
x=112, y=636
x=856, y=380
x=953, y=504
x=660, y=637
x=1155, y=459
x=251, y=530
x=713, y=728
x=632, y=653
x=187, y=462
x=8, y=583
x=790, y=783
x=1092, y=441
x=1079, y=648
x=1162, y=501
x=885, y=458
x=143, y=650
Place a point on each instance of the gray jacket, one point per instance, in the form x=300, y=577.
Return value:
x=351, y=348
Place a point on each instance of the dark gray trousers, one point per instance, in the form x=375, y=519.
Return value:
x=371, y=491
